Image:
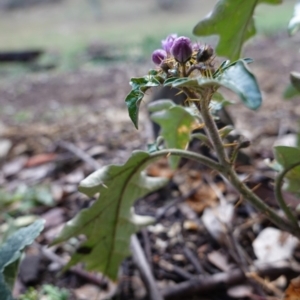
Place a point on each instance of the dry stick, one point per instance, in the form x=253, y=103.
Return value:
x=173, y=268
x=147, y=247
x=76, y=270
x=80, y=154
x=163, y=210
x=142, y=264
x=206, y=284
x=193, y=259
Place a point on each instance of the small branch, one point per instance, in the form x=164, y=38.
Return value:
x=142, y=264
x=278, y=194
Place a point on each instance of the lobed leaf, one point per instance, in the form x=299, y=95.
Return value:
x=234, y=31
x=110, y=221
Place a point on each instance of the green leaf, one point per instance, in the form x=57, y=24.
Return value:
x=237, y=78
x=109, y=222
x=294, y=23
x=287, y=157
x=5, y=292
x=295, y=80
x=293, y=89
x=290, y=92
x=11, y=249
x=160, y=105
x=10, y=273
x=176, y=125
x=10, y=253
x=232, y=21
x=139, y=87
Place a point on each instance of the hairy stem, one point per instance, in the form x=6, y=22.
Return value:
x=259, y=204
x=190, y=155
x=288, y=225
x=230, y=174
x=279, y=197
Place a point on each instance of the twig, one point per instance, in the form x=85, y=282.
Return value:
x=162, y=211
x=141, y=263
x=172, y=268
x=193, y=259
x=80, y=154
x=204, y=284
x=266, y=284
x=147, y=247
x=101, y=282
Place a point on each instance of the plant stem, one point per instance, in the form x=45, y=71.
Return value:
x=231, y=175
x=191, y=155
x=212, y=130
x=258, y=203
x=279, y=197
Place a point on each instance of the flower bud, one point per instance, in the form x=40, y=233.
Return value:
x=182, y=49
x=168, y=42
x=196, y=46
x=205, y=53
x=158, y=56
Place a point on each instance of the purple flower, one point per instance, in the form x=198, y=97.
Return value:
x=158, y=56
x=182, y=49
x=168, y=42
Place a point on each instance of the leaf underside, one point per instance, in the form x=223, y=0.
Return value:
x=109, y=222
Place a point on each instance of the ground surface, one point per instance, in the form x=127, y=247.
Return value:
x=85, y=108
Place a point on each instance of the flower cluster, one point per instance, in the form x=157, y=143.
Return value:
x=180, y=56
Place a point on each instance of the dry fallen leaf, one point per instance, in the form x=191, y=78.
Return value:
x=293, y=290
x=204, y=196
x=273, y=245
x=40, y=159
x=217, y=219
x=160, y=169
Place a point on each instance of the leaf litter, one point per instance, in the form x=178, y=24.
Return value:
x=193, y=238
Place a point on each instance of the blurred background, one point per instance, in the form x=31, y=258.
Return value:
x=43, y=40
x=72, y=33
